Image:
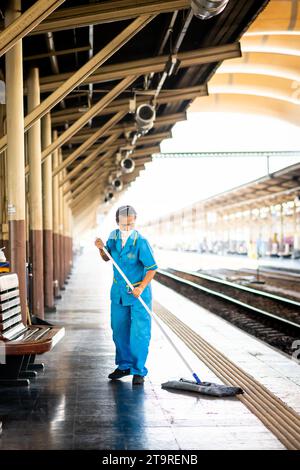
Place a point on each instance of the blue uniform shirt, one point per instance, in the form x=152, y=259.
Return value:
x=134, y=259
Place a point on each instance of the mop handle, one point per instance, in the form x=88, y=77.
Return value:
x=153, y=315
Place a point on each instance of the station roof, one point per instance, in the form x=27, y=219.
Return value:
x=78, y=30
x=266, y=79
x=275, y=188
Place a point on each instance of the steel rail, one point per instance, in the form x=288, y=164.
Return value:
x=261, y=293
x=228, y=298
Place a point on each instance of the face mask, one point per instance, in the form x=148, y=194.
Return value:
x=126, y=233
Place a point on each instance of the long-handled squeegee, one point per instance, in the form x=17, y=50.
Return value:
x=206, y=388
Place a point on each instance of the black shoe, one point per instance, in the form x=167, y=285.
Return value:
x=138, y=380
x=118, y=374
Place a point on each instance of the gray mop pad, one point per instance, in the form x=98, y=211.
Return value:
x=205, y=388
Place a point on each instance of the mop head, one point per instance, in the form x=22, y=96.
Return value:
x=205, y=388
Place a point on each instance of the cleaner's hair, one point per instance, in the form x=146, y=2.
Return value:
x=125, y=211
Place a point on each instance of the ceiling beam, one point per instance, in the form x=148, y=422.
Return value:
x=96, y=185
x=138, y=156
x=87, y=173
x=46, y=55
x=83, y=194
x=94, y=175
x=106, y=12
x=122, y=142
x=179, y=94
x=77, y=78
x=148, y=65
x=84, y=119
x=70, y=131
x=165, y=120
x=90, y=168
x=26, y=22
x=89, y=141
x=104, y=146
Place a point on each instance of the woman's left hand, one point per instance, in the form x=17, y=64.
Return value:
x=137, y=291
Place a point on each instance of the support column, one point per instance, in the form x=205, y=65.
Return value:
x=15, y=156
x=35, y=198
x=47, y=218
x=55, y=199
x=70, y=239
x=68, y=243
x=61, y=227
x=66, y=240
x=3, y=187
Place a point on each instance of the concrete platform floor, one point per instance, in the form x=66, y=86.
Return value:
x=74, y=406
x=195, y=261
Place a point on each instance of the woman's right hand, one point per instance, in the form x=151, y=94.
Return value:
x=99, y=243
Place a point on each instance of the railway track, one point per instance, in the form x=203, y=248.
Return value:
x=271, y=318
x=275, y=273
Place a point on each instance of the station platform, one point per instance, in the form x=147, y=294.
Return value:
x=194, y=261
x=73, y=405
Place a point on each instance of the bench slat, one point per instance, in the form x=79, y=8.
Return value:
x=9, y=295
x=40, y=346
x=18, y=338
x=8, y=282
x=9, y=304
x=10, y=322
x=10, y=313
x=12, y=332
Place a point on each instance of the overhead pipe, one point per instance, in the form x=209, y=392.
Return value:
x=53, y=60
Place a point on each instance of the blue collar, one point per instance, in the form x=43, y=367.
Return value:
x=131, y=241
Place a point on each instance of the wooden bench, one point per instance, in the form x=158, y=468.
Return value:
x=19, y=343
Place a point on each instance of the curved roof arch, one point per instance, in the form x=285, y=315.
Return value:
x=245, y=103
x=280, y=15
x=263, y=85
x=266, y=79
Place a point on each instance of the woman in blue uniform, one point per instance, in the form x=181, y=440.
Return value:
x=130, y=322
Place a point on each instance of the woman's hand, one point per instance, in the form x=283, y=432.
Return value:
x=137, y=291
x=99, y=243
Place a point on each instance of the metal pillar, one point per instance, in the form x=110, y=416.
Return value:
x=3, y=186
x=26, y=23
x=61, y=228
x=15, y=156
x=47, y=217
x=66, y=239
x=35, y=198
x=55, y=199
x=70, y=238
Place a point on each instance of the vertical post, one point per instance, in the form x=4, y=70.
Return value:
x=55, y=199
x=281, y=241
x=66, y=235
x=70, y=239
x=61, y=226
x=35, y=197
x=15, y=157
x=47, y=217
x=3, y=186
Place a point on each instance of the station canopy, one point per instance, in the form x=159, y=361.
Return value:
x=266, y=79
x=140, y=43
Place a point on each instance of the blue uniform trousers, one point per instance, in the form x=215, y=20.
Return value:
x=131, y=325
